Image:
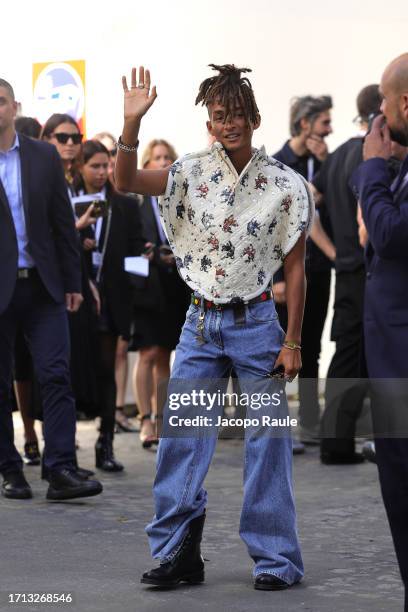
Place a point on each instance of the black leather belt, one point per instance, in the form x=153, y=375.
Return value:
x=208, y=305
x=25, y=272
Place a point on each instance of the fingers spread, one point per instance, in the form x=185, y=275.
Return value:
x=141, y=75
x=133, y=81
x=153, y=94
x=147, y=80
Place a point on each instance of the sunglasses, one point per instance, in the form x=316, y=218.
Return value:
x=63, y=138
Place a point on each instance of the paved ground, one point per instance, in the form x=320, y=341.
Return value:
x=97, y=549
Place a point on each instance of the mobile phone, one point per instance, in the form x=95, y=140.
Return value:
x=100, y=208
x=371, y=118
x=278, y=372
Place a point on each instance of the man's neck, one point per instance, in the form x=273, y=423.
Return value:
x=7, y=138
x=240, y=158
x=298, y=145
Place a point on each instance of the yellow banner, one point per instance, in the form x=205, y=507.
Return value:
x=59, y=87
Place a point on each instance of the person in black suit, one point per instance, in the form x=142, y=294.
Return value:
x=39, y=268
x=114, y=237
x=384, y=204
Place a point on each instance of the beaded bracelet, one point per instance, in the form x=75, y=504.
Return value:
x=126, y=147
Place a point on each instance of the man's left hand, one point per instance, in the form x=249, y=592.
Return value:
x=378, y=142
x=291, y=361
x=73, y=301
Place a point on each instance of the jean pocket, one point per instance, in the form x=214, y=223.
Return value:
x=262, y=312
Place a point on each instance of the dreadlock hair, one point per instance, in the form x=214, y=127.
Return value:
x=229, y=88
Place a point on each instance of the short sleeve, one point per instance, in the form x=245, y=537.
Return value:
x=169, y=204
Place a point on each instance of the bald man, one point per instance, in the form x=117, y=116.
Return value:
x=384, y=205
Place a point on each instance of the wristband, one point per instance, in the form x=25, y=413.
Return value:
x=293, y=346
x=126, y=147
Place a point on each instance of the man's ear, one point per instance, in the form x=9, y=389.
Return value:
x=209, y=126
x=305, y=124
x=404, y=104
x=257, y=122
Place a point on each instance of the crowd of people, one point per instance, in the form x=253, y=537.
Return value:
x=54, y=262
x=120, y=312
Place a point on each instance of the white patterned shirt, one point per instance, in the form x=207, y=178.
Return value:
x=230, y=233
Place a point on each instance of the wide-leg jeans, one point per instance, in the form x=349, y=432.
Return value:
x=268, y=518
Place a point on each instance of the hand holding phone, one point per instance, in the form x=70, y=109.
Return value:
x=278, y=372
x=377, y=143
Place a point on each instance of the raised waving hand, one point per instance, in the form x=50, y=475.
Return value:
x=138, y=99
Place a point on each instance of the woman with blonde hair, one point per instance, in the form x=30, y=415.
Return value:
x=161, y=302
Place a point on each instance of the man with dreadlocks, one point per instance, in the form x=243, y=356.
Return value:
x=232, y=216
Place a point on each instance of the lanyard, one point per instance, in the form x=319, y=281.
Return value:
x=105, y=244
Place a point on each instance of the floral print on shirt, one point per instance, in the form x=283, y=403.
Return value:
x=230, y=233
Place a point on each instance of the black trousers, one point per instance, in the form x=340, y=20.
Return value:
x=346, y=385
x=316, y=304
x=45, y=326
x=392, y=463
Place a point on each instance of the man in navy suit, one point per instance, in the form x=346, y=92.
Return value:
x=40, y=281
x=385, y=211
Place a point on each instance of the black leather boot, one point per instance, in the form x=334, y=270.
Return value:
x=104, y=457
x=187, y=565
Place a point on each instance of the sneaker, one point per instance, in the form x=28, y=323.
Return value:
x=31, y=455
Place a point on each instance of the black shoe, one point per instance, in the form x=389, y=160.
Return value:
x=187, y=565
x=82, y=473
x=269, y=582
x=334, y=458
x=15, y=486
x=66, y=484
x=104, y=457
x=31, y=455
x=368, y=451
x=298, y=448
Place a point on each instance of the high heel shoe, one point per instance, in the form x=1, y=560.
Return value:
x=122, y=422
x=104, y=457
x=150, y=439
x=31, y=454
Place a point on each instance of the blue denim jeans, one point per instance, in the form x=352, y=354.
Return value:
x=268, y=518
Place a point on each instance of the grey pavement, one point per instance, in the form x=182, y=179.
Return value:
x=96, y=549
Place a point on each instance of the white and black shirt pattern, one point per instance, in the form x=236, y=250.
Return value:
x=230, y=233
